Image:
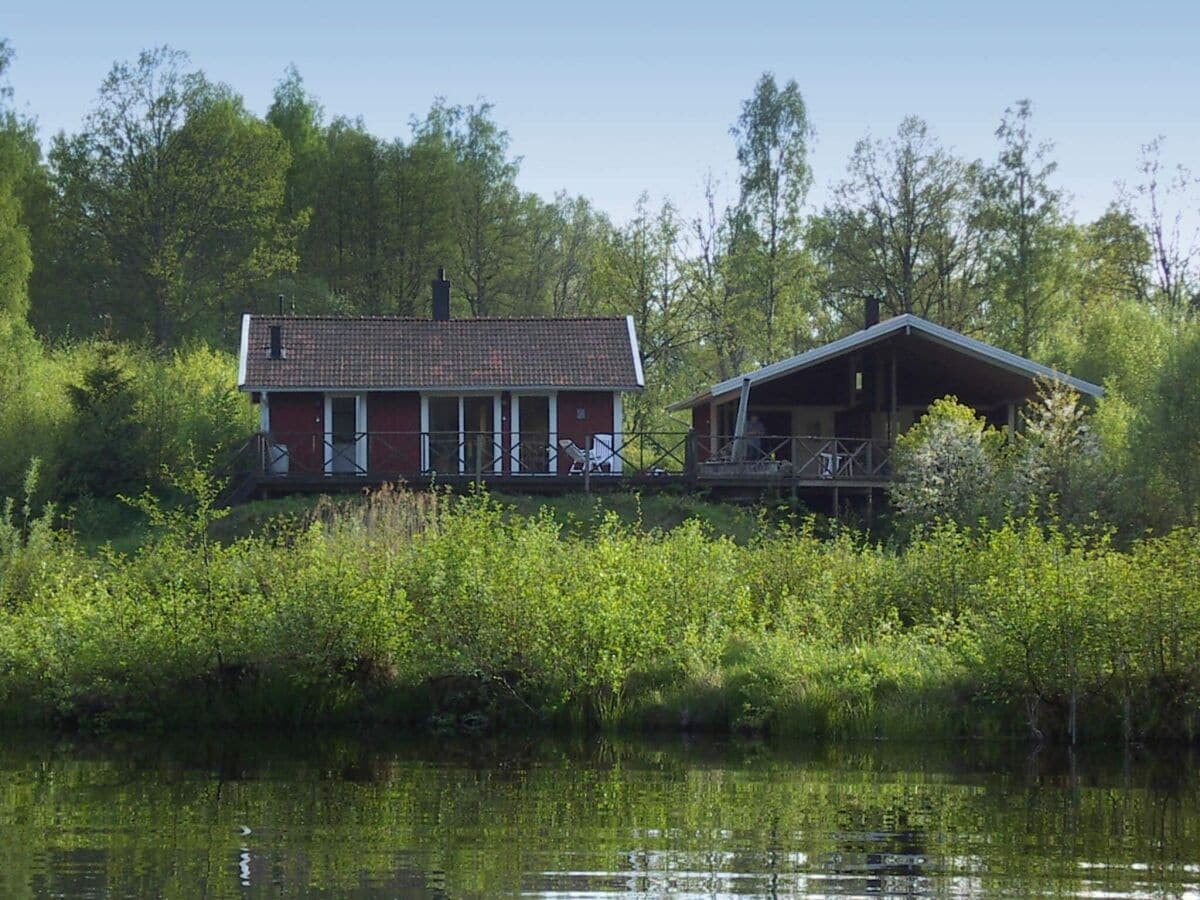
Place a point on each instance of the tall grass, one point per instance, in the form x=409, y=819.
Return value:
x=455, y=612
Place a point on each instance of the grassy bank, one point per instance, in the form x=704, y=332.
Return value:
x=115, y=523
x=464, y=614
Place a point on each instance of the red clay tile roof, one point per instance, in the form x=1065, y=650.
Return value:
x=405, y=353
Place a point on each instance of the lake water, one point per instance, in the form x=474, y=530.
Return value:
x=215, y=815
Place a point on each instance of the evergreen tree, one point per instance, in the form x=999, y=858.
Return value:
x=103, y=447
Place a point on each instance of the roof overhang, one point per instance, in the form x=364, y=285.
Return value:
x=446, y=388
x=903, y=324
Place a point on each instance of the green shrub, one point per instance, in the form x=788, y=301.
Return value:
x=458, y=612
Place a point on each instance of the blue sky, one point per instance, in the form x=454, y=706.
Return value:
x=610, y=99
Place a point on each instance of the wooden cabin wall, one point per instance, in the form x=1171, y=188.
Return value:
x=393, y=426
x=597, y=418
x=298, y=420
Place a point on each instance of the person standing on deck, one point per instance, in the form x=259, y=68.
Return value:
x=755, y=430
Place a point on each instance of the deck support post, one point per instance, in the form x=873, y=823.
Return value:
x=691, y=466
x=892, y=406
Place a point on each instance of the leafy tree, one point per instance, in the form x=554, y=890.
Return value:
x=715, y=281
x=773, y=133
x=297, y=116
x=638, y=274
x=18, y=156
x=484, y=202
x=344, y=239
x=1025, y=239
x=902, y=227
x=1112, y=259
x=415, y=189
x=16, y=261
x=1168, y=432
x=1163, y=202
x=169, y=198
x=1119, y=343
x=1058, y=468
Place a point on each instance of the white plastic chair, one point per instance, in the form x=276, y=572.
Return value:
x=602, y=452
x=581, y=460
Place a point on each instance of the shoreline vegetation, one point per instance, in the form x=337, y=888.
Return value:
x=440, y=613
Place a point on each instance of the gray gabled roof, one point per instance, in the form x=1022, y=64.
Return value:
x=907, y=324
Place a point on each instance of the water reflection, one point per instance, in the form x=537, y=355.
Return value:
x=215, y=815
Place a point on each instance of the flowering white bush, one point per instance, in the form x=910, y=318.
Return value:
x=945, y=467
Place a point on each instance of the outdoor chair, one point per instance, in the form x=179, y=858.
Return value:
x=831, y=464
x=603, y=455
x=581, y=460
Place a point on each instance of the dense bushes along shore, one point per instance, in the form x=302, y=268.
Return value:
x=431, y=611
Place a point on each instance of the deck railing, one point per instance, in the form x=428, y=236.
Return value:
x=642, y=454
x=802, y=457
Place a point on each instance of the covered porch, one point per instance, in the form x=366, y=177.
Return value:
x=834, y=413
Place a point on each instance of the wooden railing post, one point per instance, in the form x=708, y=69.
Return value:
x=587, y=465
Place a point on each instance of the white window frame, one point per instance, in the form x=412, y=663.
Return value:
x=497, y=426
x=551, y=398
x=360, y=432
x=614, y=463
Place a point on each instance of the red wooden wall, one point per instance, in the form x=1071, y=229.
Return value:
x=298, y=420
x=393, y=426
x=597, y=408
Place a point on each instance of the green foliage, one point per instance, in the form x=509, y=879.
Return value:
x=16, y=162
x=146, y=410
x=945, y=467
x=1169, y=429
x=101, y=453
x=1058, y=465
x=773, y=133
x=1026, y=237
x=169, y=202
x=902, y=227
x=459, y=612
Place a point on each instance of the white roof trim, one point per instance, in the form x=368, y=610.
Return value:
x=637, y=352
x=906, y=323
x=449, y=389
x=244, y=349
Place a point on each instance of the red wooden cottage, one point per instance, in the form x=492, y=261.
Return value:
x=398, y=397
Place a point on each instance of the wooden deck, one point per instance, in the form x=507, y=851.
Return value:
x=274, y=465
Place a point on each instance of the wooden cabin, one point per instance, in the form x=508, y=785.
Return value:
x=398, y=398
x=828, y=417
x=537, y=403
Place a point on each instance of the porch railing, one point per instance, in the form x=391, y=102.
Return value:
x=804, y=457
x=642, y=454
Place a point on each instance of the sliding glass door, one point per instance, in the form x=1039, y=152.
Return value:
x=534, y=426
x=460, y=433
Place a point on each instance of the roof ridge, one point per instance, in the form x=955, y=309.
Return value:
x=293, y=317
x=932, y=330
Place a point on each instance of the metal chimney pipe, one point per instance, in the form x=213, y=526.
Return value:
x=441, y=297
x=871, y=311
